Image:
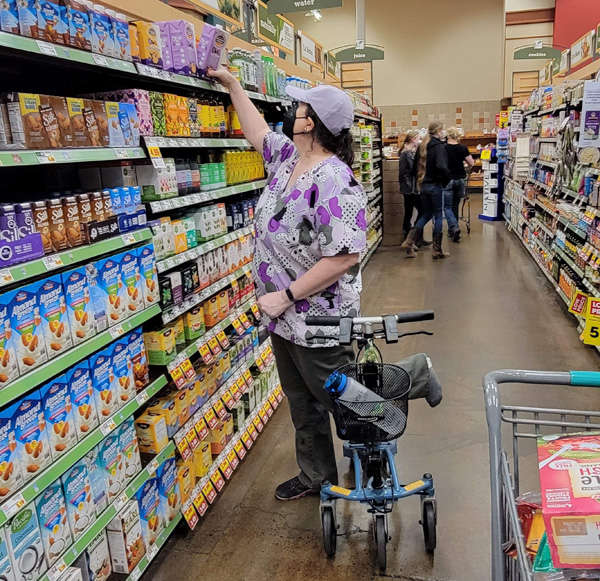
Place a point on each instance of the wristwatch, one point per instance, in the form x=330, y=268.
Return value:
x=289, y=294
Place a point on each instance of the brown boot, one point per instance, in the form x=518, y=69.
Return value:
x=437, y=247
x=408, y=244
x=419, y=241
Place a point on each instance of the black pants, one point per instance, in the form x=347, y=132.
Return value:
x=411, y=201
x=303, y=371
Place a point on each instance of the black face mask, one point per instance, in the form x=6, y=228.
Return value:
x=289, y=119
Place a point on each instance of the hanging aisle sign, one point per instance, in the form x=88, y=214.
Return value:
x=563, y=68
x=311, y=52
x=333, y=66
x=583, y=49
x=275, y=29
x=366, y=54
x=285, y=6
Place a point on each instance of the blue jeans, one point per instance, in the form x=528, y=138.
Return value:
x=453, y=193
x=432, y=202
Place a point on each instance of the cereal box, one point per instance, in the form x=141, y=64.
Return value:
x=125, y=539
x=148, y=274
x=31, y=435
x=26, y=324
x=123, y=384
x=54, y=317
x=85, y=415
x=94, y=563
x=11, y=477
x=58, y=411
x=105, y=395
x=80, y=313
x=51, y=21
x=168, y=490
x=110, y=460
x=110, y=286
x=139, y=359
x=9, y=368
x=25, y=546
x=79, y=498
x=52, y=516
x=130, y=277
x=130, y=449
x=79, y=33
x=149, y=507
x=96, y=478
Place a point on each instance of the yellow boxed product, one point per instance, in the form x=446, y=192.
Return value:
x=151, y=429
x=218, y=372
x=211, y=379
x=149, y=43
x=228, y=421
x=171, y=114
x=178, y=330
x=180, y=236
x=166, y=406
x=160, y=346
x=217, y=438
x=180, y=397
x=202, y=459
x=183, y=116
x=212, y=312
x=223, y=304
x=186, y=478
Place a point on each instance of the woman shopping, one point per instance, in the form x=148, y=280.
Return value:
x=310, y=228
x=458, y=155
x=432, y=175
x=407, y=181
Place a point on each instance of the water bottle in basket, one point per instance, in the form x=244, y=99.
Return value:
x=368, y=406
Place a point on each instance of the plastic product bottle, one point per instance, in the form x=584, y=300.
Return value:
x=182, y=177
x=354, y=395
x=195, y=172
x=260, y=69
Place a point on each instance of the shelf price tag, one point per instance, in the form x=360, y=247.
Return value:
x=116, y=331
x=262, y=414
x=201, y=428
x=222, y=339
x=217, y=479
x=136, y=574
x=151, y=552
x=100, y=60
x=128, y=238
x=241, y=385
x=239, y=448
x=13, y=505
x=152, y=466
x=192, y=438
x=214, y=346
x=188, y=369
x=53, y=261
x=245, y=321
x=200, y=503
x=235, y=392
x=211, y=418
x=46, y=48
x=229, y=400
x=182, y=446
x=220, y=409
x=108, y=426
x=239, y=329
x=121, y=501
x=209, y=492
x=233, y=459
x=57, y=570
x=255, y=310
x=178, y=377
x=6, y=277
x=205, y=353
x=248, y=378
x=260, y=362
x=257, y=424
x=579, y=303
x=252, y=429
x=190, y=515
x=278, y=393
x=247, y=439
x=273, y=401
x=226, y=469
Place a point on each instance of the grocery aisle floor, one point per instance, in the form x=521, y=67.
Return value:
x=494, y=309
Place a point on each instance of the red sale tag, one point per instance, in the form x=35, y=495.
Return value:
x=239, y=329
x=220, y=409
x=255, y=310
x=239, y=447
x=205, y=353
x=270, y=355
x=214, y=346
x=226, y=469
x=188, y=369
x=200, y=504
x=201, y=428
x=211, y=418
x=222, y=339
x=245, y=321
x=263, y=416
x=184, y=449
x=229, y=400
x=217, y=480
x=235, y=392
x=247, y=438
x=260, y=363
x=257, y=424
x=273, y=401
x=241, y=384
x=248, y=378
x=190, y=515
x=233, y=459
x=209, y=492
x=279, y=394
x=192, y=439
x=268, y=409
x=178, y=377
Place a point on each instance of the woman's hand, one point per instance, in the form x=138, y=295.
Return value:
x=222, y=75
x=273, y=304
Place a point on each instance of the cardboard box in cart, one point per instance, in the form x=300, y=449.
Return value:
x=570, y=484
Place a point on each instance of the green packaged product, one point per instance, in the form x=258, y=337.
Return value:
x=157, y=110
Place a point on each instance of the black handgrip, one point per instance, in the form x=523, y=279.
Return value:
x=415, y=317
x=325, y=321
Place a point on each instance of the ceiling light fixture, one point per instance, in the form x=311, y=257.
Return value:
x=316, y=14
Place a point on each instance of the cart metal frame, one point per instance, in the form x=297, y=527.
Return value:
x=526, y=422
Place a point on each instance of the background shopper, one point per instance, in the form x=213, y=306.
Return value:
x=408, y=188
x=310, y=228
x=432, y=175
x=458, y=155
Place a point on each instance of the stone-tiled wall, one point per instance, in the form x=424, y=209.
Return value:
x=470, y=115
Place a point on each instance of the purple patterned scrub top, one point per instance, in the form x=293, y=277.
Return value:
x=322, y=214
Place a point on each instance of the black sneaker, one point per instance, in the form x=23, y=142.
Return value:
x=294, y=489
x=456, y=235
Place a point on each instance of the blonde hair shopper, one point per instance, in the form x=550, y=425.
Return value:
x=432, y=175
x=458, y=155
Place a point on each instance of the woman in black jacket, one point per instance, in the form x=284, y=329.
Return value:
x=407, y=181
x=432, y=175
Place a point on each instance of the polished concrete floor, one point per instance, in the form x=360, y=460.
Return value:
x=494, y=310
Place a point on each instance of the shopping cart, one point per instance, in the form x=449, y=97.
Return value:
x=370, y=430
x=534, y=422
x=465, y=204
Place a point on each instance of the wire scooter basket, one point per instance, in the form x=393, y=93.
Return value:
x=362, y=423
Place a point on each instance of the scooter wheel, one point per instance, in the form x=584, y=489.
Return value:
x=381, y=540
x=429, y=522
x=329, y=531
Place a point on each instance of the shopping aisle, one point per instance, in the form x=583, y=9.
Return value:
x=494, y=309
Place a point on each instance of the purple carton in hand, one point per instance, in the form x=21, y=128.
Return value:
x=182, y=37
x=211, y=44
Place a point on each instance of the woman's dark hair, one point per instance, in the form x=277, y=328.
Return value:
x=341, y=145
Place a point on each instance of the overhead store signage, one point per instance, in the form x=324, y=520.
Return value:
x=529, y=52
x=582, y=49
x=311, y=52
x=230, y=10
x=563, y=68
x=333, y=66
x=367, y=54
x=284, y=6
x=598, y=40
x=275, y=29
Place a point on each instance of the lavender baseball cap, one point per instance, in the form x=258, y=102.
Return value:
x=333, y=107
